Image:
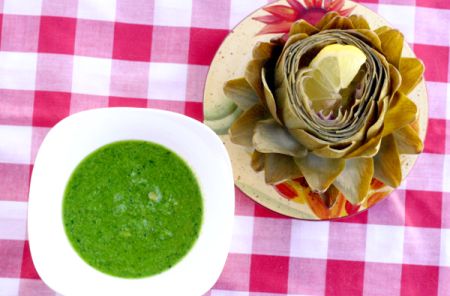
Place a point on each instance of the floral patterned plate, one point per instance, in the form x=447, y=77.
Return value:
x=292, y=198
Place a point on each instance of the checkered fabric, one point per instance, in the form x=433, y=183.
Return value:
x=58, y=57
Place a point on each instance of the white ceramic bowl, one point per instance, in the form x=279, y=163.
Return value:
x=75, y=137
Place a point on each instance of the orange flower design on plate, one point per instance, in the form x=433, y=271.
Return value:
x=281, y=17
x=329, y=205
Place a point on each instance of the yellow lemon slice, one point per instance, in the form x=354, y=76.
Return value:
x=339, y=64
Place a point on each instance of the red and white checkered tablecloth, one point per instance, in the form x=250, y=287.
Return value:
x=58, y=57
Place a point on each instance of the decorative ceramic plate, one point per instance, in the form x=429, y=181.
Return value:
x=292, y=198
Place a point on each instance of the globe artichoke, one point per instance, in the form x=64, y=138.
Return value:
x=340, y=136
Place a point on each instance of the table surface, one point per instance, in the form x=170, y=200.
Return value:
x=60, y=57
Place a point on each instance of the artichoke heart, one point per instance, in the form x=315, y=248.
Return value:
x=329, y=103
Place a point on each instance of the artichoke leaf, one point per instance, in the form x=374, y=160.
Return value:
x=369, y=36
x=263, y=50
x=308, y=140
x=331, y=196
x=368, y=149
x=374, y=134
x=411, y=70
x=354, y=181
x=340, y=23
x=261, y=54
x=382, y=29
x=288, y=114
x=387, y=163
x=326, y=19
x=408, y=141
x=402, y=111
x=383, y=66
x=302, y=26
x=253, y=76
x=371, y=127
x=396, y=79
x=320, y=172
x=257, y=161
x=392, y=45
x=270, y=137
x=359, y=22
x=280, y=167
x=241, y=131
x=241, y=93
x=269, y=100
x=334, y=152
x=293, y=39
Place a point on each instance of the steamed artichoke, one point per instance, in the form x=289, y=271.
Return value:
x=352, y=134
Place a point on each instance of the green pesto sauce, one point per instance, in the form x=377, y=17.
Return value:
x=132, y=209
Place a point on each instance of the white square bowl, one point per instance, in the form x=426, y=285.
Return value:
x=74, y=138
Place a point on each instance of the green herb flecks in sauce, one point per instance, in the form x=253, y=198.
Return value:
x=132, y=209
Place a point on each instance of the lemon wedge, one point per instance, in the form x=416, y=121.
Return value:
x=339, y=64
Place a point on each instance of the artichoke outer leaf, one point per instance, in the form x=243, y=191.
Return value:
x=293, y=39
x=257, y=161
x=263, y=50
x=373, y=128
x=411, y=70
x=269, y=100
x=354, y=181
x=330, y=152
x=270, y=137
x=287, y=113
x=302, y=26
x=359, y=22
x=395, y=79
x=369, y=149
x=326, y=19
x=280, y=167
x=308, y=140
x=241, y=93
x=382, y=29
x=253, y=76
x=320, y=172
x=340, y=23
x=402, y=111
x=392, y=45
x=408, y=141
x=241, y=131
x=387, y=163
x=369, y=37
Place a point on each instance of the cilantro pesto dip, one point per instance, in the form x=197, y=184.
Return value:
x=132, y=209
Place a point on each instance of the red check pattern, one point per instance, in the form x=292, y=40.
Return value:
x=61, y=57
